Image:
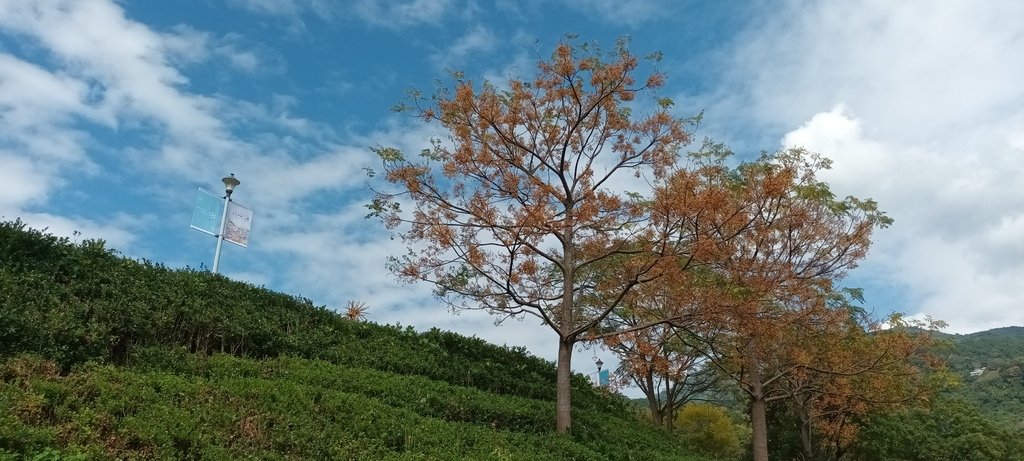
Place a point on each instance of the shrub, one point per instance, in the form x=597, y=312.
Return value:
x=707, y=429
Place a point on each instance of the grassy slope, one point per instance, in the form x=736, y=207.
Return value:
x=113, y=358
x=227, y=407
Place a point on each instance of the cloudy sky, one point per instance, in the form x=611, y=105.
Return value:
x=113, y=113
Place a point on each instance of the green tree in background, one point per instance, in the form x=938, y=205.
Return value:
x=950, y=430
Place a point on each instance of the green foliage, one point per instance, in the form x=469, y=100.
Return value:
x=951, y=430
x=80, y=302
x=225, y=407
x=103, y=357
x=981, y=419
x=48, y=454
x=708, y=429
x=999, y=391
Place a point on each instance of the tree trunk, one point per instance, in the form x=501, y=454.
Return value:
x=563, y=386
x=759, y=424
x=668, y=410
x=566, y=322
x=840, y=451
x=805, y=433
x=652, y=399
x=758, y=408
x=656, y=418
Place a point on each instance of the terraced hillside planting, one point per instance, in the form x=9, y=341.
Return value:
x=104, y=357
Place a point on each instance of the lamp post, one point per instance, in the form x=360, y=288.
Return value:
x=599, y=363
x=229, y=186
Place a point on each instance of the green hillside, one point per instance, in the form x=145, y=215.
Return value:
x=103, y=357
x=998, y=389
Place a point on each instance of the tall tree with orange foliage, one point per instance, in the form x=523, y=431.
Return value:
x=656, y=357
x=783, y=240
x=520, y=200
x=668, y=371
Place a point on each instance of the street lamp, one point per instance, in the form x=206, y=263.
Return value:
x=229, y=186
x=599, y=364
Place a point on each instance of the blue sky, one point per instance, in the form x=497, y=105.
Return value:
x=112, y=113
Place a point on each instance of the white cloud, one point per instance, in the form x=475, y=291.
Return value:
x=272, y=7
x=37, y=108
x=21, y=182
x=110, y=70
x=281, y=179
x=807, y=58
x=34, y=95
x=131, y=63
x=401, y=13
x=521, y=64
x=921, y=107
x=120, y=232
x=185, y=45
x=956, y=244
x=479, y=39
x=625, y=12
x=244, y=60
x=38, y=142
x=393, y=14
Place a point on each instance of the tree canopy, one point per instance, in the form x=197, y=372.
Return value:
x=510, y=210
x=523, y=210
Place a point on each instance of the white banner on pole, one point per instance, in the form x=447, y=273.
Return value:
x=206, y=214
x=238, y=224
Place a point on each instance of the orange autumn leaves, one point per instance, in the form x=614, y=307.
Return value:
x=508, y=212
x=521, y=211
x=525, y=172
x=757, y=250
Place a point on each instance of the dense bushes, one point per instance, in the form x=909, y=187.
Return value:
x=103, y=357
x=80, y=302
x=172, y=405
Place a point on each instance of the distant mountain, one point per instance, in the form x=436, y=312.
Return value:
x=991, y=365
x=977, y=350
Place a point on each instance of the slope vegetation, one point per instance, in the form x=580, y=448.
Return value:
x=103, y=357
x=997, y=359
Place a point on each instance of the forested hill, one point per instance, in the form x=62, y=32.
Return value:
x=975, y=350
x=991, y=366
x=103, y=357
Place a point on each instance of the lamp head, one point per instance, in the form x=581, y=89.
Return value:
x=599, y=364
x=229, y=183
